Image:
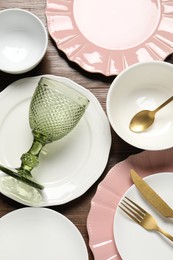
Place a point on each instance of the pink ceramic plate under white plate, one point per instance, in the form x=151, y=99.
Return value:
x=103, y=205
x=108, y=36
x=130, y=238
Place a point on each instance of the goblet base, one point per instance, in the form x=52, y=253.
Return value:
x=27, y=179
x=20, y=191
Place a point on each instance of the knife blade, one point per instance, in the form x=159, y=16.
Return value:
x=151, y=196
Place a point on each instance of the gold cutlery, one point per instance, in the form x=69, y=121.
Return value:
x=151, y=196
x=145, y=118
x=142, y=217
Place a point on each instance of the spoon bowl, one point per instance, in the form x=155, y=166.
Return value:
x=141, y=121
x=145, y=118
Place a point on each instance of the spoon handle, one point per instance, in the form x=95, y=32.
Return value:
x=164, y=104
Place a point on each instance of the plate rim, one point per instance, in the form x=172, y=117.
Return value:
x=139, y=140
x=157, y=47
x=103, y=120
x=15, y=214
x=148, y=179
x=146, y=163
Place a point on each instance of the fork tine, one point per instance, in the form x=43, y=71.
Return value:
x=137, y=211
x=144, y=212
x=130, y=215
x=145, y=220
x=132, y=210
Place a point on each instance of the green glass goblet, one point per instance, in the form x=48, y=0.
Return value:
x=55, y=109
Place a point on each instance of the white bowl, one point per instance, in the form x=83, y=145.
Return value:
x=143, y=86
x=23, y=41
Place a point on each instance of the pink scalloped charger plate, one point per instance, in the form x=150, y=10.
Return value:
x=100, y=219
x=107, y=36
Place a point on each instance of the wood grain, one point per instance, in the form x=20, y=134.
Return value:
x=56, y=63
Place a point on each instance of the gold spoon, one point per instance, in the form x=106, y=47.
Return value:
x=145, y=118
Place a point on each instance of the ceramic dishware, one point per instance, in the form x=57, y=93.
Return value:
x=143, y=86
x=40, y=233
x=55, y=109
x=105, y=202
x=66, y=172
x=130, y=238
x=23, y=40
x=109, y=36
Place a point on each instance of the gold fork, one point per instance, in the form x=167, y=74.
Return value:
x=141, y=217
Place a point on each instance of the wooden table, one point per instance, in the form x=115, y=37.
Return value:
x=56, y=63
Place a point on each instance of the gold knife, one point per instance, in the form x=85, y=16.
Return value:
x=151, y=196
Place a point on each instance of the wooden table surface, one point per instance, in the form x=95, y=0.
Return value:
x=56, y=63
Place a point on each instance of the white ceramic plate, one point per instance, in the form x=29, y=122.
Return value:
x=143, y=86
x=109, y=36
x=110, y=191
x=132, y=241
x=67, y=167
x=39, y=233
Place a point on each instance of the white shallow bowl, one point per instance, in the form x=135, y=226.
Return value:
x=23, y=40
x=143, y=86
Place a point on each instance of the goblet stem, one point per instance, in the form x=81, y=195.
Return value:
x=30, y=159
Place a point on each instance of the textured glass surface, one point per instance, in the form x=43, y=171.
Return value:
x=52, y=113
x=55, y=110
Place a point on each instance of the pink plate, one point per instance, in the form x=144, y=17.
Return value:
x=108, y=36
x=111, y=189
